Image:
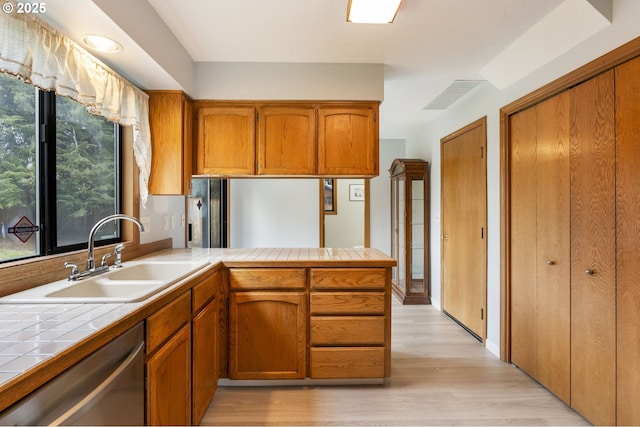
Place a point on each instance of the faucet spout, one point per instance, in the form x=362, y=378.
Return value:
x=100, y=223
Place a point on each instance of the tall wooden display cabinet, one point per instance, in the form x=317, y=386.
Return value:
x=410, y=230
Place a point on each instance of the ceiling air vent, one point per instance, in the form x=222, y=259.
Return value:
x=455, y=91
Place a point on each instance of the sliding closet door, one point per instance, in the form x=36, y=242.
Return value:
x=628, y=240
x=593, y=250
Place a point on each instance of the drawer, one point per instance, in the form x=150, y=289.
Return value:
x=347, y=362
x=206, y=289
x=347, y=303
x=347, y=330
x=166, y=321
x=267, y=278
x=348, y=278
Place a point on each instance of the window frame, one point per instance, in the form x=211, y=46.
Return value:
x=47, y=185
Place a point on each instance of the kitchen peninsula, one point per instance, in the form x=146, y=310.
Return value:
x=300, y=314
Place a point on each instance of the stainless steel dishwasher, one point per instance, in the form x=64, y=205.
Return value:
x=105, y=388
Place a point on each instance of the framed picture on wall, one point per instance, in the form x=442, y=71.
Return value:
x=329, y=196
x=356, y=192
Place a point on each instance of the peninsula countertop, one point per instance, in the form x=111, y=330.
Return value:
x=40, y=341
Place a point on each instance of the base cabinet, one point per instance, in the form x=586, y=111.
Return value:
x=268, y=331
x=168, y=364
x=349, y=323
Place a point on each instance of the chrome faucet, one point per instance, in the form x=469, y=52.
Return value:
x=91, y=268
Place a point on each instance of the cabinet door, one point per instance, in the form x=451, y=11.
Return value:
x=348, y=141
x=287, y=141
x=205, y=359
x=593, y=233
x=170, y=119
x=169, y=381
x=226, y=140
x=628, y=240
x=267, y=335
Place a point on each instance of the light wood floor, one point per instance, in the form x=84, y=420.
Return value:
x=440, y=376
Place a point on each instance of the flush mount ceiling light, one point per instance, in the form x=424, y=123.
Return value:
x=372, y=11
x=102, y=44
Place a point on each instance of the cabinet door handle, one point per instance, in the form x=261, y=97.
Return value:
x=589, y=272
x=551, y=262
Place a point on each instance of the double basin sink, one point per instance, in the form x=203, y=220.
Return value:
x=135, y=281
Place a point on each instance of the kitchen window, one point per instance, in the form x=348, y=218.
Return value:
x=59, y=172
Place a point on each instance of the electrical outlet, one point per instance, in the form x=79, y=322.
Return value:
x=173, y=222
x=146, y=223
x=165, y=223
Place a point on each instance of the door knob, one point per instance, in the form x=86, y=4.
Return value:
x=589, y=272
x=445, y=237
x=551, y=262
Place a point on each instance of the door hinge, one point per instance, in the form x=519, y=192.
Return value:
x=482, y=152
x=482, y=232
x=482, y=314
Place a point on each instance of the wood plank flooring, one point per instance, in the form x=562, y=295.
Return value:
x=441, y=375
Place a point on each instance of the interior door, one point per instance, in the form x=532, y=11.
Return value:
x=463, y=221
x=593, y=250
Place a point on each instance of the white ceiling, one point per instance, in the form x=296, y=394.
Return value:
x=430, y=44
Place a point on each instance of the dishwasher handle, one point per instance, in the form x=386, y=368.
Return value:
x=98, y=392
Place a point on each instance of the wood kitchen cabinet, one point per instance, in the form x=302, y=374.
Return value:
x=286, y=140
x=277, y=138
x=267, y=323
x=205, y=352
x=168, y=364
x=349, y=323
x=226, y=141
x=171, y=123
x=348, y=140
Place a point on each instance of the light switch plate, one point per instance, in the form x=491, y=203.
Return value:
x=173, y=222
x=165, y=222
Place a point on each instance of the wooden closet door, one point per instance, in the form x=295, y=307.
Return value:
x=552, y=258
x=523, y=239
x=628, y=240
x=593, y=233
x=464, y=211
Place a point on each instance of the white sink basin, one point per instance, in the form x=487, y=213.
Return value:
x=135, y=281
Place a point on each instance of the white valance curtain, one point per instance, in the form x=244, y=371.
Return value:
x=42, y=56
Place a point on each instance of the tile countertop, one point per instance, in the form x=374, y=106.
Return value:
x=37, y=337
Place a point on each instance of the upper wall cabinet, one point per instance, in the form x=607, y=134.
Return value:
x=276, y=138
x=287, y=140
x=171, y=121
x=348, y=140
x=226, y=140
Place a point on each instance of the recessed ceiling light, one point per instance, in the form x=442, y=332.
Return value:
x=102, y=44
x=372, y=11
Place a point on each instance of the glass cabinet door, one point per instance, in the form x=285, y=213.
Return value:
x=409, y=230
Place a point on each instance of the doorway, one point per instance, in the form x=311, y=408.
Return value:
x=344, y=213
x=464, y=229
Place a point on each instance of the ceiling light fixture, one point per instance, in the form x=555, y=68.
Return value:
x=102, y=44
x=372, y=11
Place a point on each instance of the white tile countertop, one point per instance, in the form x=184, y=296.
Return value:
x=36, y=336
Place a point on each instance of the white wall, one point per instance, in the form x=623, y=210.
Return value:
x=290, y=81
x=345, y=229
x=487, y=101
x=380, y=188
x=163, y=212
x=276, y=213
